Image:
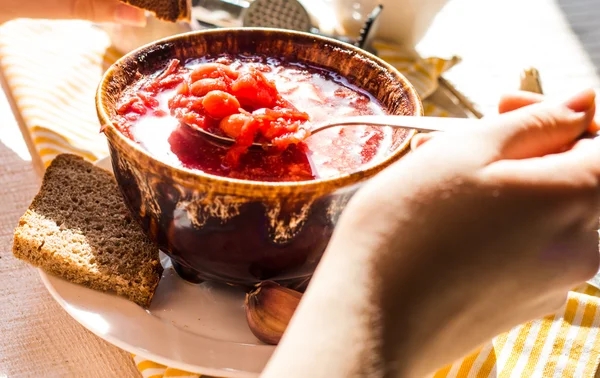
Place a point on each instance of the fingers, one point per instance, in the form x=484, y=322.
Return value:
x=91, y=10
x=128, y=15
x=420, y=139
x=107, y=11
x=517, y=100
x=580, y=165
x=540, y=129
x=534, y=127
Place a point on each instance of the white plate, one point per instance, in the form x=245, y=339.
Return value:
x=198, y=328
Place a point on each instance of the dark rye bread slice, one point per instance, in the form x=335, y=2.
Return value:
x=78, y=228
x=167, y=10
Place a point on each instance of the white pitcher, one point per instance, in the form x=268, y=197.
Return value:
x=402, y=21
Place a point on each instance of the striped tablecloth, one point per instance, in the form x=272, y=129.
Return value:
x=51, y=70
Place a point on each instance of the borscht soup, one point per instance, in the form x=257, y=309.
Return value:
x=264, y=206
x=252, y=99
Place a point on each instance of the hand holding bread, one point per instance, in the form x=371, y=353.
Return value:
x=129, y=12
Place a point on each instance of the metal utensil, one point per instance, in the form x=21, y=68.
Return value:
x=369, y=30
x=424, y=124
x=284, y=14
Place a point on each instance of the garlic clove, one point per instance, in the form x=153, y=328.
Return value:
x=269, y=308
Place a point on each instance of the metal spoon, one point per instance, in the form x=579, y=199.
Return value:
x=423, y=124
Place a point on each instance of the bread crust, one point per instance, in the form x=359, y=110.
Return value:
x=79, y=228
x=171, y=10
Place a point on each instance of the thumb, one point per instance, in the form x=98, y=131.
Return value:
x=517, y=100
x=541, y=129
x=419, y=139
x=107, y=11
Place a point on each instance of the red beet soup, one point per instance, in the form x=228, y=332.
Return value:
x=238, y=213
x=252, y=98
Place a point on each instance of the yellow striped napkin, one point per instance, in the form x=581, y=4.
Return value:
x=51, y=69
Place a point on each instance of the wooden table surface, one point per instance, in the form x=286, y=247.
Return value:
x=496, y=39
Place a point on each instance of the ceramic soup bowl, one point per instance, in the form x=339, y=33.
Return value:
x=239, y=231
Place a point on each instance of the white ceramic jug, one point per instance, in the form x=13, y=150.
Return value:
x=402, y=21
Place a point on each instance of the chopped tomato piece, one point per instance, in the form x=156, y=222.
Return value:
x=183, y=88
x=138, y=107
x=232, y=125
x=219, y=104
x=213, y=71
x=254, y=90
x=178, y=101
x=195, y=104
x=296, y=137
x=242, y=142
x=193, y=118
x=132, y=117
x=249, y=130
x=279, y=127
x=168, y=82
x=149, y=101
x=203, y=86
x=124, y=107
x=168, y=79
x=171, y=68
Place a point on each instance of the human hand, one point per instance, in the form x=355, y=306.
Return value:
x=91, y=10
x=507, y=103
x=475, y=232
x=500, y=224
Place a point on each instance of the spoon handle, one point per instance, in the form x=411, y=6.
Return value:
x=408, y=122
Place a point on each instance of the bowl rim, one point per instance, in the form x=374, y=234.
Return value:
x=190, y=175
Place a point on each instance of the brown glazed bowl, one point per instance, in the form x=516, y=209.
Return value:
x=237, y=231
